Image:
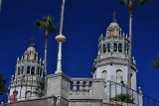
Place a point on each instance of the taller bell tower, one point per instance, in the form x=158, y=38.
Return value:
x=111, y=62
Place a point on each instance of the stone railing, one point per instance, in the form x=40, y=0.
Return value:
x=24, y=80
x=30, y=61
x=87, y=87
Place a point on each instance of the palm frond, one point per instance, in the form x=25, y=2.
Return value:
x=155, y=64
x=140, y=2
x=123, y=98
x=46, y=24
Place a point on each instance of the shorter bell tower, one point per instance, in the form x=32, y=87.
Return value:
x=29, y=71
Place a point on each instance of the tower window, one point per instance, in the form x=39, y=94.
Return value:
x=115, y=47
x=104, y=48
x=104, y=74
x=18, y=70
x=28, y=70
x=32, y=70
x=108, y=47
x=120, y=47
x=119, y=76
x=22, y=70
x=40, y=73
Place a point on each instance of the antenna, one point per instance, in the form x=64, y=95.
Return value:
x=62, y=17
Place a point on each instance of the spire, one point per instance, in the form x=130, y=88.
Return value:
x=60, y=39
x=0, y=4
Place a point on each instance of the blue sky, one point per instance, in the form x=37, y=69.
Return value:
x=84, y=21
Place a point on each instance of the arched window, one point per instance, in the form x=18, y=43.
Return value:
x=119, y=76
x=28, y=94
x=41, y=73
x=115, y=47
x=120, y=47
x=28, y=70
x=22, y=69
x=104, y=48
x=131, y=81
x=19, y=71
x=104, y=74
x=32, y=70
x=35, y=57
x=108, y=46
x=31, y=56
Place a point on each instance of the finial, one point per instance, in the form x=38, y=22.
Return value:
x=18, y=59
x=126, y=36
x=101, y=35
x=40, y=59
x=114, y=16
x=123, y=34
x=120, y=32
x=22, y=57
x=134, y=61
x=12, y=76
x=140, y=91
x=32, y=41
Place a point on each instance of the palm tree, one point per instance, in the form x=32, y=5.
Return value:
x=123, y=98
x=2, y=84
x=47, y=26
x=39, y=90
x=155, y=64
x=131, y=8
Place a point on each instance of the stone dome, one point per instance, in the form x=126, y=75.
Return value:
x=31, y=49
x=113, y=25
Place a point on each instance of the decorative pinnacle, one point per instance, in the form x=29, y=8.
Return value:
x=114, y=17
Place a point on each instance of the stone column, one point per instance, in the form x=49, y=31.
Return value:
x=59, y=85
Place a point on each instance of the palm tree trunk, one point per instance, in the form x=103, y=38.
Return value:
x=45, y=60
x=130, y=48
x=45, y=53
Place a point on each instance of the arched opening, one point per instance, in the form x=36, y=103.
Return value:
x=28, y=70
x=104, y=74
x=131, y=81
x=104, y=48
x=19, y=71
x=108, y=46
x=120, y=47
x=28, y=94
x=32, y=70
x=119, y=76
x=35, y=57
x=115, y=47
x=22, y=69
x=31, y=56
x=41, y=73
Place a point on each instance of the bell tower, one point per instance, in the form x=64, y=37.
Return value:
x=29, y=70
x=111, y=62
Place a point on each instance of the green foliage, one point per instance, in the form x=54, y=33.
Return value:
x=155, y=64
x=2, y=84
x=123, y=98
x=46, y=24
x=39, y=90
x=134, y=2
